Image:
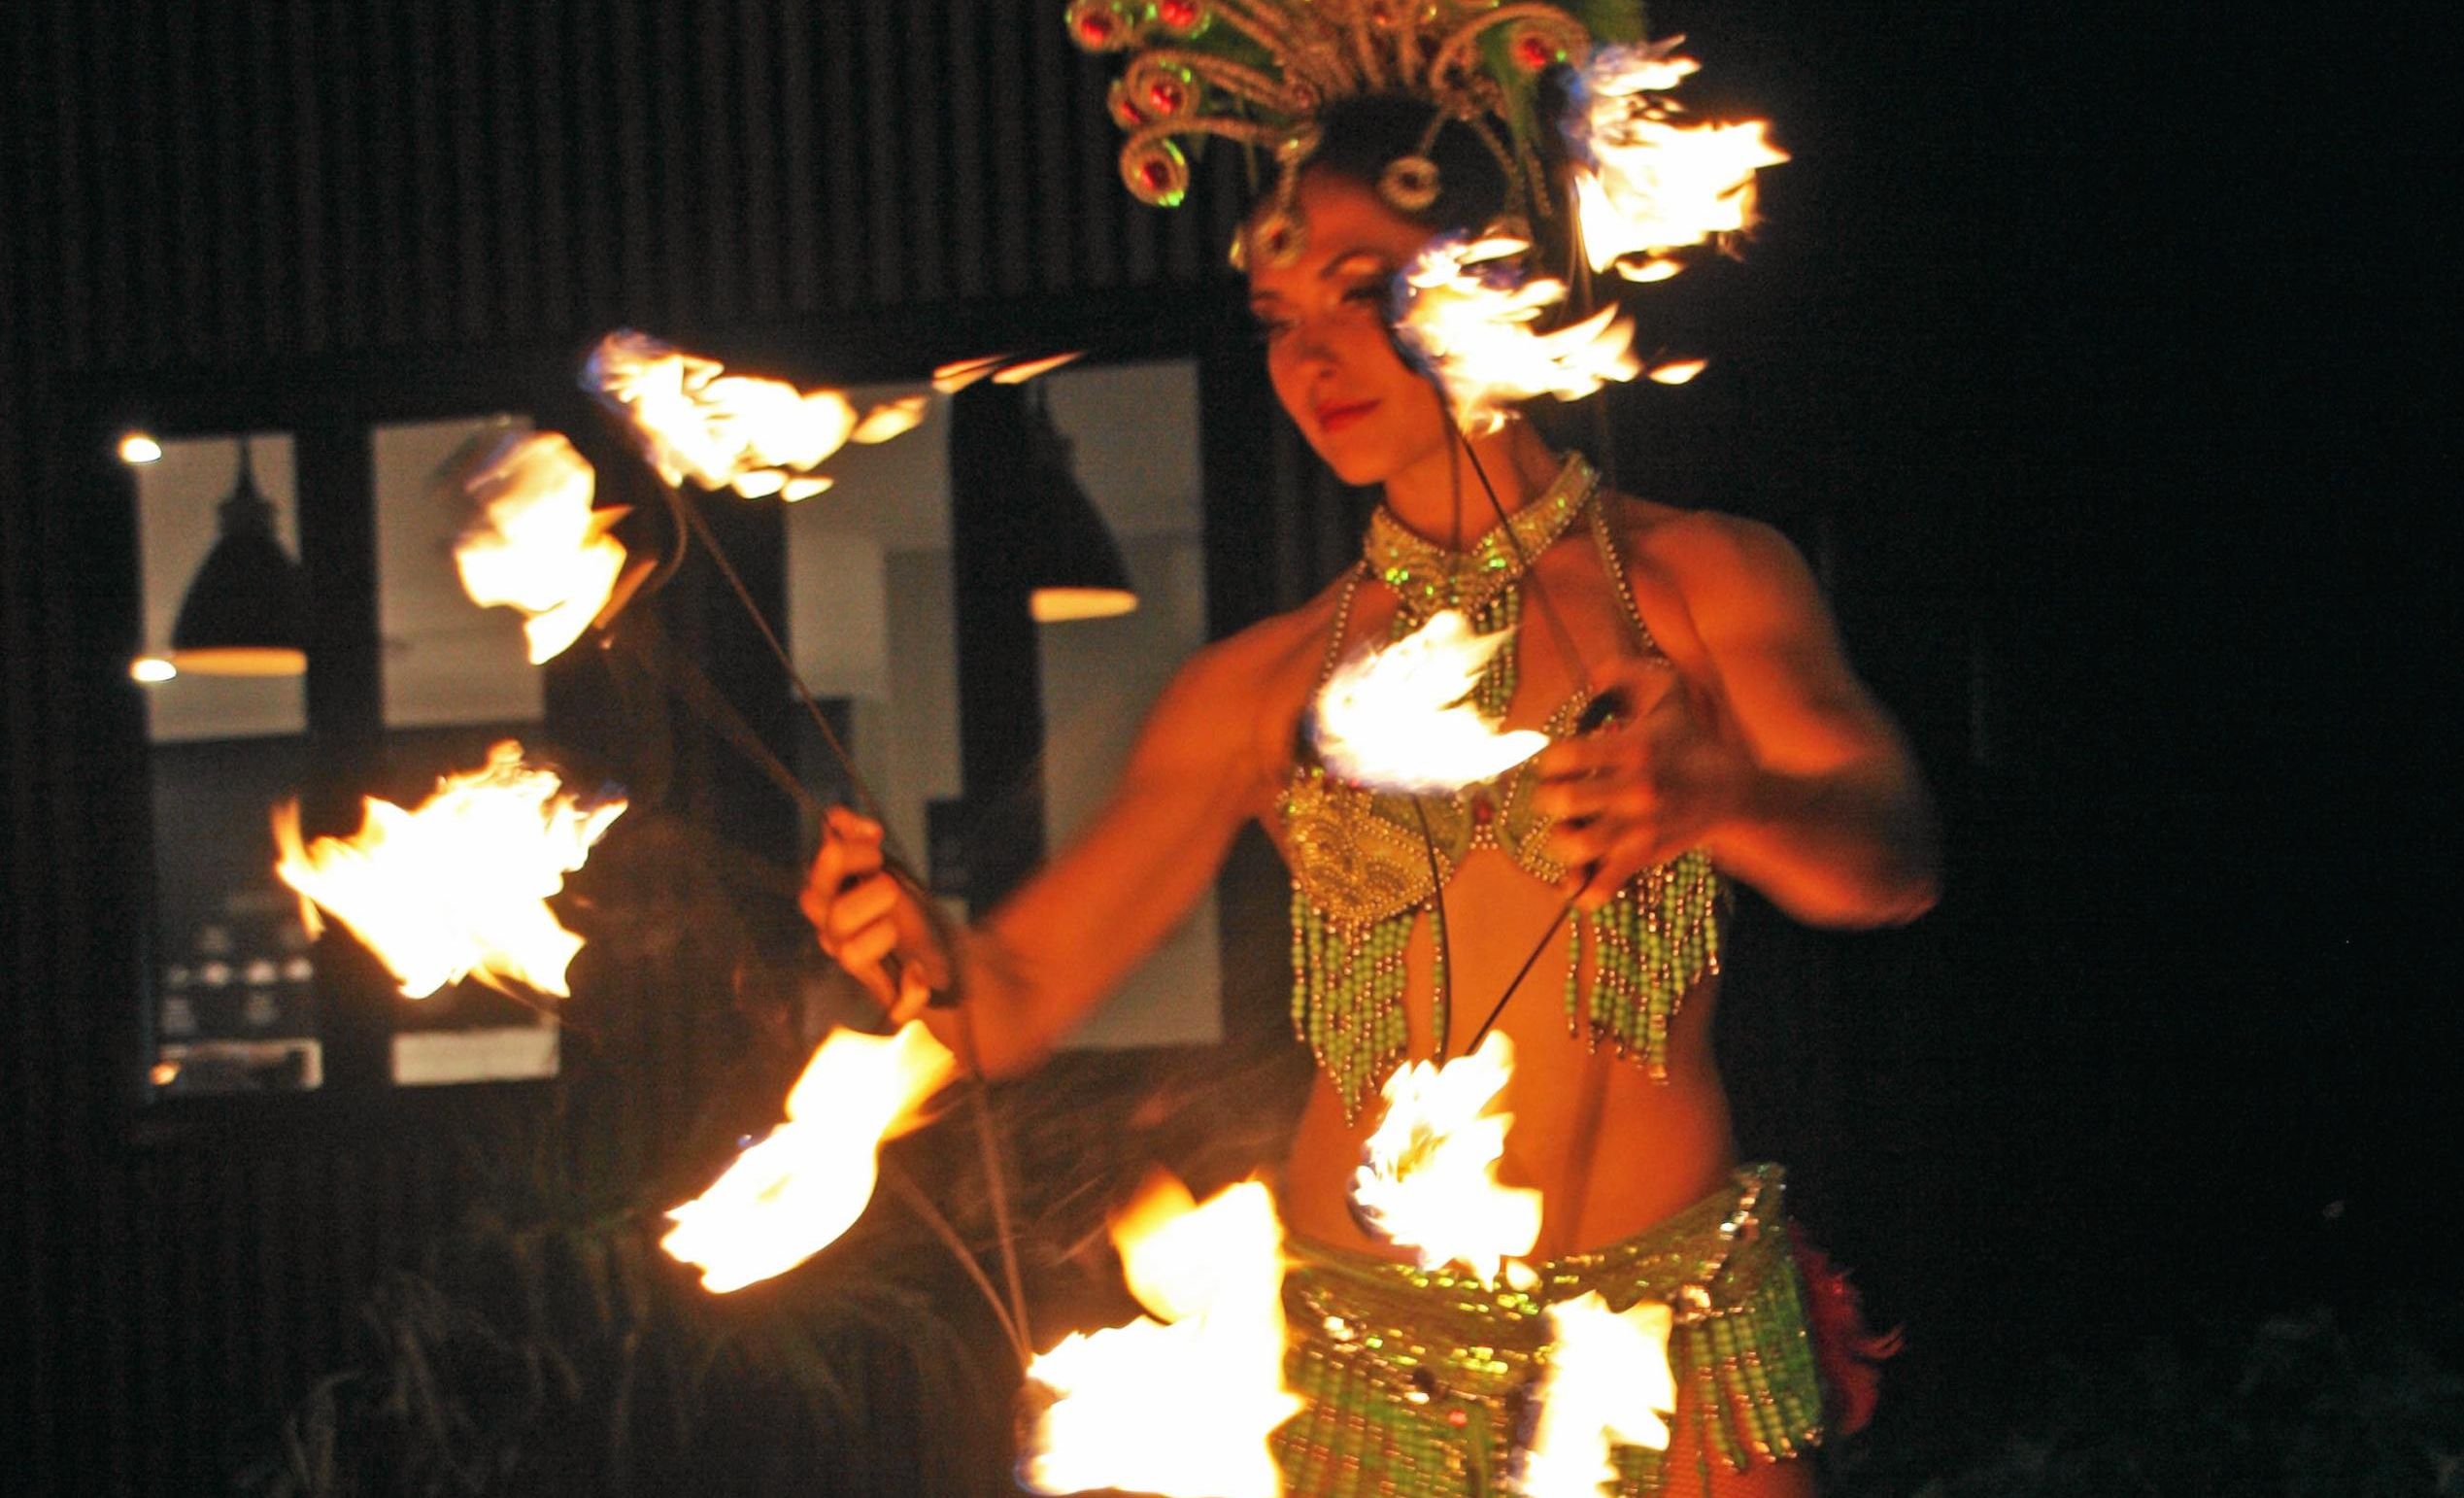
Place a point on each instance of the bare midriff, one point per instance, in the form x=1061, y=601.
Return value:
x=1612, y=1151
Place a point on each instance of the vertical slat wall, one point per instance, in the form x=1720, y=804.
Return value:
x=190, y=188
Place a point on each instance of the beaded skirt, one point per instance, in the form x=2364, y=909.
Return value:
x=1417, y=1382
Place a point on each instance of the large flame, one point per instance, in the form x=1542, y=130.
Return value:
x=1179, y=1404
x=458, y=888
x=1401, y=718
x=1608, y=1381
x=790, y=1196
x=1644, y=181
x=1468, y=310
x=753, y=435
x=537, y=546
x=1428, y=1179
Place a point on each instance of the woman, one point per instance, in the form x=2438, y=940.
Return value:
x=1743, y=748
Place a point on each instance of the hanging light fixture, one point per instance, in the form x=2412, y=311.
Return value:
x=246, y=613
x=1072, y=565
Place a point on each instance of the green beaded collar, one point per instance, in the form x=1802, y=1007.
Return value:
x=1430, y=578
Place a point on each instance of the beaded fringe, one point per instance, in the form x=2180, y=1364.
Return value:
x=1347, y=995
x=1651, y=943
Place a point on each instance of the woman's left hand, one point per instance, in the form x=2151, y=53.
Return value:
x=1640, y=791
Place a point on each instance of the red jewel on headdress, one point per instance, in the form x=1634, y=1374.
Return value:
x=1097, y=28
x=1457, y=1418
x=1125, y=110
x=1533, y=53
x=1166, y=96
x=1157, y=173
x=1179, y=15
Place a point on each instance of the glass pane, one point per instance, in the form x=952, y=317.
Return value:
x=234, y=987
x=457, y=679
x=873, y=628
x=1132, y=431
x=869, y=584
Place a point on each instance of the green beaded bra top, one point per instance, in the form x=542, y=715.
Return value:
x=1366, y=865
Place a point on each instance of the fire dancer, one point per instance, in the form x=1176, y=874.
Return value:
x=1706, y=728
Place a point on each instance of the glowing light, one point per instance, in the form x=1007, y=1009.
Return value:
x=698, y=421
x=1607, y=1382
x=791, y=1195
x=1181, y=1402
x=458, y=888
x=137, y=448
x=1645, y=183
x=1428, y=1179
x=1400, y=718
x=1061, y=605
x=1676, y=371
x=1469, y=309
x=538, y=547
x=151, y=669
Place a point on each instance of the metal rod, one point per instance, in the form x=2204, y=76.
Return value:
x=1519, y=975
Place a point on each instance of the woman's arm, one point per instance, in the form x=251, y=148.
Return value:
x=1768, y=751
x=1063, y=942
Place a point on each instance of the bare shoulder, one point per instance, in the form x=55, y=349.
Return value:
x=1713, y=562
x=1240, y=696
x=1255, y=658
x=1706, y=543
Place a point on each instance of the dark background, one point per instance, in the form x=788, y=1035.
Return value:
x=2098, y=365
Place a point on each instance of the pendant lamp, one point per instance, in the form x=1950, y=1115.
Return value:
x=1072, y=566
x=246, y=613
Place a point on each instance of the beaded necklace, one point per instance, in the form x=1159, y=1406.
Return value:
x=1479, y=580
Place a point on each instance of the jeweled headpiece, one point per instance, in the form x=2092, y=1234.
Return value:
x=1260, y=70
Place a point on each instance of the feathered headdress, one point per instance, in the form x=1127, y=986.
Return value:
x=1260, y=70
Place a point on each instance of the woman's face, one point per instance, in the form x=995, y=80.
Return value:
x=1328, y=350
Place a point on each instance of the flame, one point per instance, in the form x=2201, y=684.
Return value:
x=1608, y=1381
x=458, y=888
x=1400, y=718
x=1020, y=374
x=791, y=1195
x=957, y=374
x=891, y=419
x=1428, y=1179
x=1676, y=371
x=1467, y=316
x=1644, y=183
x=755, y=436
x=538, y=547
x=1179, y=1404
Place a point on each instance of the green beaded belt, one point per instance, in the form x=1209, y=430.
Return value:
x=1416, y=1381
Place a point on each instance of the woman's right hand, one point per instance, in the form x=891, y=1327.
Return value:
x=864, y=916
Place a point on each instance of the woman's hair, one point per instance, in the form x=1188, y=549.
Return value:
x=1360, y=136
